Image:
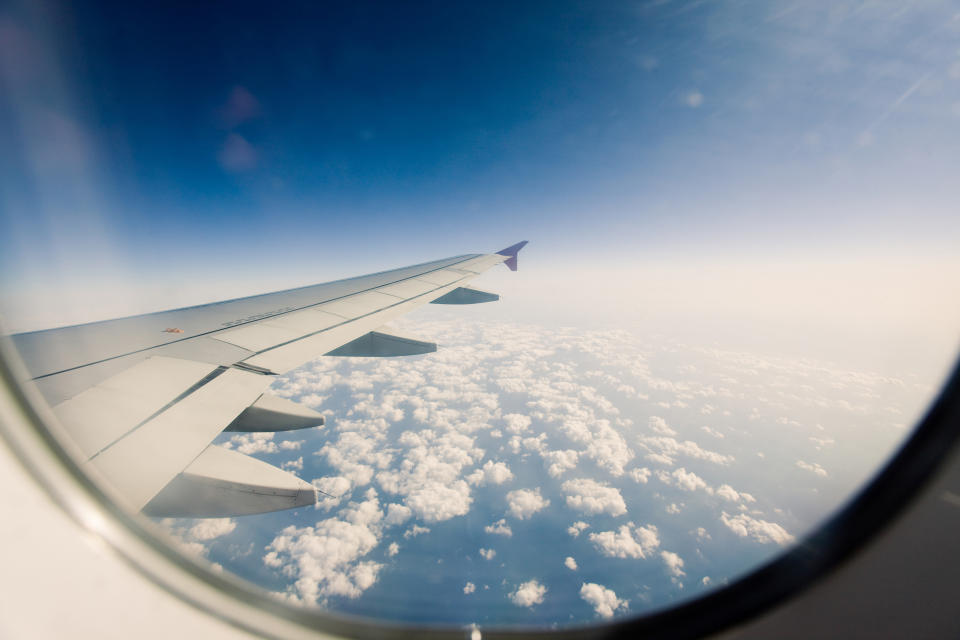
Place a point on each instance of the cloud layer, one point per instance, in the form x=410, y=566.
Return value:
x=509, y=433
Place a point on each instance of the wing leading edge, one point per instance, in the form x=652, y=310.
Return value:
x=143, y=397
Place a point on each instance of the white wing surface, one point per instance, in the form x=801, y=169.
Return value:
x=143, y=397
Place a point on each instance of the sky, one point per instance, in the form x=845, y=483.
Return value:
x=703, y=157
x=264, y=144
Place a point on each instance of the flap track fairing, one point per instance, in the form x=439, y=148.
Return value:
x=466, y=295
x=377, y=344
x=272, y=413
x=221, y=483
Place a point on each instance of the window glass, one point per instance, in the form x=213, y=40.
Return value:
x=738, y=297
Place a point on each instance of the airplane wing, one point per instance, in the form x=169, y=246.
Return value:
x=144, y=396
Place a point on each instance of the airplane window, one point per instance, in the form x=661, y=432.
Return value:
x=736, y=304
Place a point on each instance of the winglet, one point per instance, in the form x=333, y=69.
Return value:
x=511, y=253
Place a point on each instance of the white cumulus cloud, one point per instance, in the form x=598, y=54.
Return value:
x=516, y=423
x=659, y=425
x=589, y=496
x=523, y=503
x=629, y=541
x=730, y=494
x=604, y=601
x=491, y=473
x=251, y=443
x=415, y=531
x=528, y=594
x=560, y=461
x=429, y=478
x=665, y=450
x=397, y=514
x=327, y=559
x=211, y=528
x=674, y=563
x=499, y=528
x=760, y=530
x=812, y=467
x=682, y=479
x=293, y=465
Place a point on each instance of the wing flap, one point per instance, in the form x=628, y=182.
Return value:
x=145, y=459
x=105, y=412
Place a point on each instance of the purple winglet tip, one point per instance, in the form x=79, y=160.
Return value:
x=511, y=253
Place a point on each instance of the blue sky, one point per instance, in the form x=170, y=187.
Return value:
x=173, y=154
